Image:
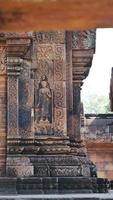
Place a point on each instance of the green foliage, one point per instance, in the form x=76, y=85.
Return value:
x=96, y=104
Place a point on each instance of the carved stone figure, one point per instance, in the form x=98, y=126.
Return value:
x=44, y=99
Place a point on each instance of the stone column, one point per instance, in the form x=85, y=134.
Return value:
x=12, y=96
x=69, y=84
x=3, y=129
x=73, y=94
x=17, y=165
x=83, y=47
x=76, y=110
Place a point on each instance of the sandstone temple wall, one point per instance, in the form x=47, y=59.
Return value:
x=97, y=133
x=41, y=75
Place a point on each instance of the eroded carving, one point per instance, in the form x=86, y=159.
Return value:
x=3, y=61
x=44, y=100
x=83, y=39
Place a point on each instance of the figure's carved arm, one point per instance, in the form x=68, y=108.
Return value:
x=49, y=94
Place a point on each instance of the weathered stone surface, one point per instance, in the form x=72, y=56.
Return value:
x=3, y=107
x=59, y=160
x=74, y=184
x=61, y=166
x=97, y=134
x=39, y=146
x=38, y=185
x=48, y=166
x=8, y=185
x=19, y=167
x=30, y=186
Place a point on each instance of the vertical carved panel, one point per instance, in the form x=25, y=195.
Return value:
x=59, y=68
x=69, y=84
x=60, y=87
x=44, y=89
x=26, y=100
x=12, y=88
x=51, y=69
x=13, y=71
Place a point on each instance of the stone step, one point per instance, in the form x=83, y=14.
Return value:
x=106, y=196
x=47, y=185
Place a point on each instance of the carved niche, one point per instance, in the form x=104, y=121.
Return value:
x=42, y=87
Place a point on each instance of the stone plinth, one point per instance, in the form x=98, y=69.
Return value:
x=47, y=185
x=60, y=166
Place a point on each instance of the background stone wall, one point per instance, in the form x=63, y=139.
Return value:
x=97, y=133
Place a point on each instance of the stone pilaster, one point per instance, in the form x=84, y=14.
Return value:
x=76, y=110
x=50, y=63
x=83, y=47
x=69, y=84
x=14, y=67
x=3, y=97
x=77, y=145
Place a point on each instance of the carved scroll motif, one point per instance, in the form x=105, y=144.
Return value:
x=50, y=84
x=3, y=60
x=50, y=37
x=12, y=107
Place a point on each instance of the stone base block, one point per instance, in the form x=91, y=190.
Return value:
x=60, y=166
x=50, y=185
x=19, y=166
x=48, y=166
x=45, y=185
x=8, y=185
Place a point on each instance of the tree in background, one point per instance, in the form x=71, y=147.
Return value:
x=96, y=104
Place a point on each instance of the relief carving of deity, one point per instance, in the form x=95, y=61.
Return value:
x=44, y=103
